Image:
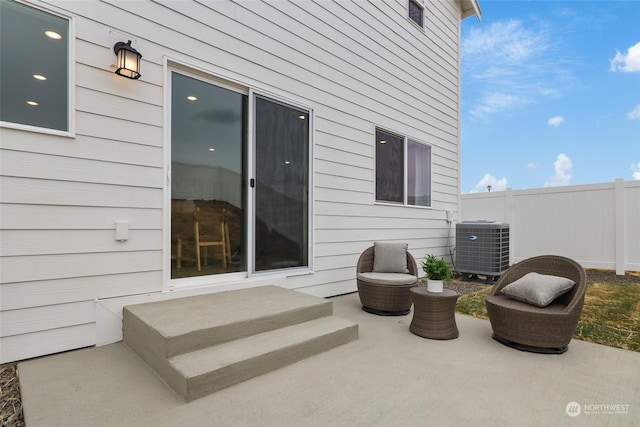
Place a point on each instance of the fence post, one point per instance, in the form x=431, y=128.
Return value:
x=619, y=210
x=508, y=215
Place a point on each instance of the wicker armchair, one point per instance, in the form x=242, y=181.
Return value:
x=389, y=296
x=538, y=329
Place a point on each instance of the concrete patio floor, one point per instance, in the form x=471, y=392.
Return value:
x=388, y=377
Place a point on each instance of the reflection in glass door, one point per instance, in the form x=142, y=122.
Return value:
x=208, y=137
x=281, y=223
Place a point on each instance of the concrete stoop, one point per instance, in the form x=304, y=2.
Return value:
x=204, y=343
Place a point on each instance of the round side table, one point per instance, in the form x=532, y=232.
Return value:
x=434, y=313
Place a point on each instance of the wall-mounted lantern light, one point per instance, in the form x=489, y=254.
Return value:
x=128, y=62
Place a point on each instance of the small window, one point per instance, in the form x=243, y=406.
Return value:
x=418, y=174
x=416, y=12
x=34, y=67
x=402, y=179
x=389, y=167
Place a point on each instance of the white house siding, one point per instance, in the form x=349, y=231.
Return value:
x=357, y=64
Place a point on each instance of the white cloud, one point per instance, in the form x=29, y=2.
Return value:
x=634, y=114
x=488, y=179
x=508, y=65
x=635, y=168
x=509, y=40
x=562, y=167
x=555, y=121
x=498, y=102
x=532, y=165
x=628, y=62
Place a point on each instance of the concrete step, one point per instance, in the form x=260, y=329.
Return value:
x=182, y=325
x=203, y=343
x=205, y=371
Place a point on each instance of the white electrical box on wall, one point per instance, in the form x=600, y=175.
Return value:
x=122, y=231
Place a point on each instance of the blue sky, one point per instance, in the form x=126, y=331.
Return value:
x=550, y=94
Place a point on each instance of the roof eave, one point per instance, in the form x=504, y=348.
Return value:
x=470, y=8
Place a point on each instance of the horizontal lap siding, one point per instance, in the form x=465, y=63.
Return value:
x=346, y=221
x=25, y=346
x=59, y=168
x=357, y=64
x=60, y=200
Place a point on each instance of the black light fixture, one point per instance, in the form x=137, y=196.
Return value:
x=128, y=63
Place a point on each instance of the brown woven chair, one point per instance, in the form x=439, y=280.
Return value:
x=388, y=298
x=538, y=329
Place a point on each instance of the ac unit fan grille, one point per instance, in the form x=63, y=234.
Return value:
x=482, y=247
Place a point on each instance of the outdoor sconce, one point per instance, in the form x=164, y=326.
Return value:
x=128, y=62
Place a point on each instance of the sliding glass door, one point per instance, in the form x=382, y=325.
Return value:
x=239, y=193
x=281, y=221
x=208, y=142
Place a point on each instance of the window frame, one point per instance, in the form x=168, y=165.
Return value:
x=421, y=6
x=71, y=76
x=405, y=169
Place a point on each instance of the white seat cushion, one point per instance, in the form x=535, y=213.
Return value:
x=388, y=278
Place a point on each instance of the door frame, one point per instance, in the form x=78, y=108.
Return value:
x=169, y=284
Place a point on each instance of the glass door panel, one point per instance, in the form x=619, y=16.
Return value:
x=281, y=185
x=208, y=140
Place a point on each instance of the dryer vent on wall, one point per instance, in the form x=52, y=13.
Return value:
x=482, y=247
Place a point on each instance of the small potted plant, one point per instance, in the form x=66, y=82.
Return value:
x=438, y=271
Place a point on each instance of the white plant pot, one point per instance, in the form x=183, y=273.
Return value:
x=434, y=285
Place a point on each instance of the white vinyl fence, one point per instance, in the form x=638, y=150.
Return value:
x=597, y=225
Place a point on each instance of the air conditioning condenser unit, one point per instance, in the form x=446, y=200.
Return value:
x=482, y=248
